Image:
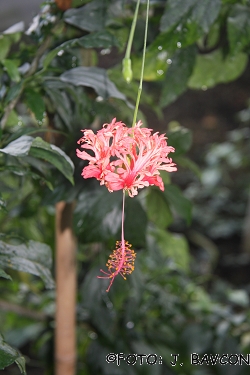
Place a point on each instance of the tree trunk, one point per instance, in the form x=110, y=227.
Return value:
x=65, y=341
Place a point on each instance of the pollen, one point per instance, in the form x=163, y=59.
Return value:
x=121, y=261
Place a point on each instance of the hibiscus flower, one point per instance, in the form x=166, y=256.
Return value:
x=126, y=158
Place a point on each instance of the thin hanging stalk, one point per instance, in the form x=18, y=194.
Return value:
x=142, y=66
x=65, y=336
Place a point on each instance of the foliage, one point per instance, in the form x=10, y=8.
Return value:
x=54, y=82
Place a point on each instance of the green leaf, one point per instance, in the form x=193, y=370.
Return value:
x=178, y=74
x=155, y=65
x=203, y=13
x=135, y=222
x=102, y=39
x=11, y=67
x=4, y=275
x=90, y=17
x=61, y=102
x=4, y=47
x=54, y=155
x=8, y=355
x=213, y=68
x=175, y=10
x=186, y=162
x=24, y=171
x=96, y=78
x=35, y=103
x=178, y=202
x=2, y=201
x=238, y=27
x=31, y=130
x=19, y=147
x=92, y=301
x=174, y=246
x=34, y=258
x=98, y=215
x=20, y=361
x=158, y=208
x=13, y=92
x=181, y=140
x=12, y=119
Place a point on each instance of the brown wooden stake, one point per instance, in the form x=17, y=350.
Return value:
x=65, y=337
x=63, y=4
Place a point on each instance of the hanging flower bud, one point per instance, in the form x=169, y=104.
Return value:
x=127, y=70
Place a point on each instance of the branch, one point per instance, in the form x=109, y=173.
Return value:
x=40, y=52
x=23, y=311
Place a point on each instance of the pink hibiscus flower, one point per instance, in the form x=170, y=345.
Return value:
x=126, y=158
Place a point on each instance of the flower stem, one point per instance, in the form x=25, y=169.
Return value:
x=142, y=67
x=132, y=31
x=123, y=206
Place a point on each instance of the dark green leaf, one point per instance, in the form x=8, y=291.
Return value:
x=13, y=92
x=8, y=355
x=178, y=74
x=90, y=17
x=24, y=334
x=99, y=39
x=12, y=69
x=197, y=338
x=19, y=147
x=31, y=130
x=60, y=101
x=174, y=246
x=213, y=68
x=203, y=13
x=181, y=140
x=4, y=274
x=135, y=222
x=238, y=26
x=186, y=162
x=178, y=202
x=54, y=155
x=35, y=103
x=93, y=299
x=98, y=215
x=3, y=202
x=34, y=258
x=5, y=44
x=21, y=170
x=175, y=10
x=180, y=36
x=96, y=78
x=158, y=208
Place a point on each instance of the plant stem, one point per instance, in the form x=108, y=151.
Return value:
x=123, y=206
x=132, y=31
x=142, y=67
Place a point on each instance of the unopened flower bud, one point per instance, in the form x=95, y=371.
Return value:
x=127, y=70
